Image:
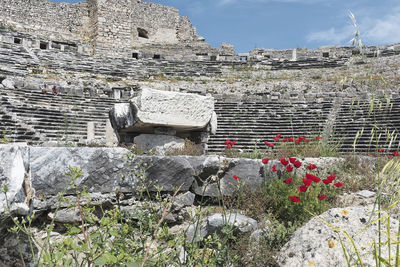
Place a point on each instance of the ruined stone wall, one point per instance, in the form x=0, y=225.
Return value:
x=110, y=27
x=159, y=25
x=59, y=21
x=113, y=34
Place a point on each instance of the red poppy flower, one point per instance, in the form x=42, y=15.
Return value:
x=380, y=150
x=327, y=181
x=294, y=199
x=301, y=138
x=284, y=161
x=339, y=184
x=290, y=139
x=274, y=168
x=233, y=143
x=276, y=138
x=227, y=142
x=321, y=197
x=288, y=181
x=307, y=141
x=297, y=164
x=311, y=167
x=297, y=141
x=285, y=139
x=307, y=182
x=318, y=138
x=292, y=160
x=390, y=156
x=289, y=168
x=269, y=144
x=237, y=178
x=331, y=177
x=396, y=153
x=302, y=188
x=228, y=146
x=265, y=161
x=314, y=178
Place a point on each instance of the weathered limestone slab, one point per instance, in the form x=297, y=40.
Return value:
x=102, y=168
x=159, y=143
x=14, y=168
x=153, y=108
x=40, y=172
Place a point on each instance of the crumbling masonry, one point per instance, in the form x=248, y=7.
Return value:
x=127, y=28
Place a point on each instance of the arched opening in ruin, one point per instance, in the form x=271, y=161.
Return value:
x=142, y=33
x=44, y=45
x=17, y=40
x=213, y=58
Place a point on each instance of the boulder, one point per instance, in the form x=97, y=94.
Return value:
x=183, y=200
x=159, y=144
x=317, y=244
x=215, y=223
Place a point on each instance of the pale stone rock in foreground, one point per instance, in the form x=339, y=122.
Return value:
x=317, y=244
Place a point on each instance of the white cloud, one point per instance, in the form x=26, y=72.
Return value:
x=332, y=36
x=384, y=30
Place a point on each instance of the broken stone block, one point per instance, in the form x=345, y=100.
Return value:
x=159, y=144
x=154, y=108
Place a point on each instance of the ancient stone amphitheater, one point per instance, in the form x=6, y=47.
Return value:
x=77, y=75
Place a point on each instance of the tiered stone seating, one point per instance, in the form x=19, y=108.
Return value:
x=15, y=60
x=355, y=121
x=349, y=125
x=306, y=64
x=61, y=118
x=252, y=123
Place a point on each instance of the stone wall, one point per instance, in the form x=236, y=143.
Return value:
x=111, y=27
x=53, y=20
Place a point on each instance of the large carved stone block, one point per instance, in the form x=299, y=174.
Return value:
x=154, y=108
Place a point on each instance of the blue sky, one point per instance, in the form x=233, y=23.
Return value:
x=282, y=24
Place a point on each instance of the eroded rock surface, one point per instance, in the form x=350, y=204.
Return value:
x=317, y=244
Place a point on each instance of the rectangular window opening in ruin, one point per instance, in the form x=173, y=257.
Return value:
x=325, y=54
x=213, y=58
x=17, y=40
x=135, y=55
x=157, y=56
x=44, y=45
x=244, y=58
x=143, y=33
